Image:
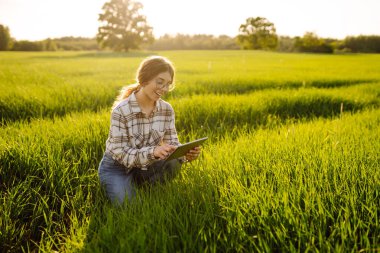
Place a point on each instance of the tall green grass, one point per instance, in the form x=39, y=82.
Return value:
x=221, y=113
x=50, y=184
x=34, y=85
x=297, y=187
x=47, y=176
x=292, y=163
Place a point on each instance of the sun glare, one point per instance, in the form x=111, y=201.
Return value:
x=40, y=19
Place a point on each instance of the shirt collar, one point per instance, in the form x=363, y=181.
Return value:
x=135, y=108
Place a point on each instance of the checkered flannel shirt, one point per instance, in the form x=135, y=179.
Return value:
x=134, y=135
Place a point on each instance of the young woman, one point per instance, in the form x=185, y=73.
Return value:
x=142, y=133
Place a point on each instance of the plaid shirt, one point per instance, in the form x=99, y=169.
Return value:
x=134, y=135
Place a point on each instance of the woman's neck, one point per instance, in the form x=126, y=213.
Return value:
x=144, y=102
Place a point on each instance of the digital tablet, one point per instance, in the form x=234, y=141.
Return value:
x=184, y=148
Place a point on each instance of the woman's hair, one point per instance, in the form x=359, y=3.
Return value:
x=149, y=68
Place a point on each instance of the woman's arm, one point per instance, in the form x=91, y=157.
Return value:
x=171, y=136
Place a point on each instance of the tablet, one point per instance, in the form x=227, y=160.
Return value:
x=184, y=148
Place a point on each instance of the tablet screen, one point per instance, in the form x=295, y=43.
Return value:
x=184, y=148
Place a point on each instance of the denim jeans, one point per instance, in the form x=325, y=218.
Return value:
x=119, y=184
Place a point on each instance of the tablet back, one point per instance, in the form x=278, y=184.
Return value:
x=184, y=148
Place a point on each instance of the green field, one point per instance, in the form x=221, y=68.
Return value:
x=292, y=163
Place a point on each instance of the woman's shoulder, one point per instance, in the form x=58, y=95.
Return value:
x=123, y=106
x=165, y=105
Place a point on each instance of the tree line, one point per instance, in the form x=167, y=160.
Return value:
x=123, y=28
x=308, y=43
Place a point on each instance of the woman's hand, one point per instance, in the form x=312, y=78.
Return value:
x=163, y=151
x=193, y=154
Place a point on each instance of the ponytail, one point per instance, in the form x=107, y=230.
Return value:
x=125, y=92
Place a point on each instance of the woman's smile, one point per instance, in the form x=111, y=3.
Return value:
x=158, y=94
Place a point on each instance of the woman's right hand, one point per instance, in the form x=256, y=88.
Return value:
x=163, y=151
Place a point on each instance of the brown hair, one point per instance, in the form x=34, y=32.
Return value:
x=149, y=68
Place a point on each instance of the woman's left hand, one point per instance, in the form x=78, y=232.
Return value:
x=193, y=154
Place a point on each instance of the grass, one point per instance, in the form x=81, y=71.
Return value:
x=48, y=84
x=291, y=164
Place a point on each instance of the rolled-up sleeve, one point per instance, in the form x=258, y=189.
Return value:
x=119, y=144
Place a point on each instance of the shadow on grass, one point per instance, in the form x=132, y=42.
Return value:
x=219, y=120
x=17, y=107
x=231, y=88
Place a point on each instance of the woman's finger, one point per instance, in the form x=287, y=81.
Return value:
x=194, y=153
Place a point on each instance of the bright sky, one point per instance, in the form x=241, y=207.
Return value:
x=40, y=19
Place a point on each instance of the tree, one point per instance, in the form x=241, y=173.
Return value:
x=26, y=45
x=123, y=26
x=310, y=42
x=285, y=44
x=196, y=41
x=49, y=45
x=257, y=33
x=363, y=43
x=5, y=38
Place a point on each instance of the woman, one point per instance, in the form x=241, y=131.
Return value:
x=142, y=133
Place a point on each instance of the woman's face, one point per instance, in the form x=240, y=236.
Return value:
x=158, y=86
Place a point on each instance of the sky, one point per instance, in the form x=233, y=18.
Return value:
x=41, y=19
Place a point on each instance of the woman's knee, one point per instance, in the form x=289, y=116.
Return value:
x=117, y=183
x=173, y=166
x=170, y=169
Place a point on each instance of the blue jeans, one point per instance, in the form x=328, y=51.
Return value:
x=120, y=184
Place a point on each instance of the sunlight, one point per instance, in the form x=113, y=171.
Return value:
x=40, y=19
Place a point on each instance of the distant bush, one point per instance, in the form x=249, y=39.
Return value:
x=362, y=44
x=311, y=43
x=76, y=43
x=26, y=45
x=49, y=45
x=285, y=44
x=197, y=42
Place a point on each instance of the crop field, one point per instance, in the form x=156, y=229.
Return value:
x=292, y=163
